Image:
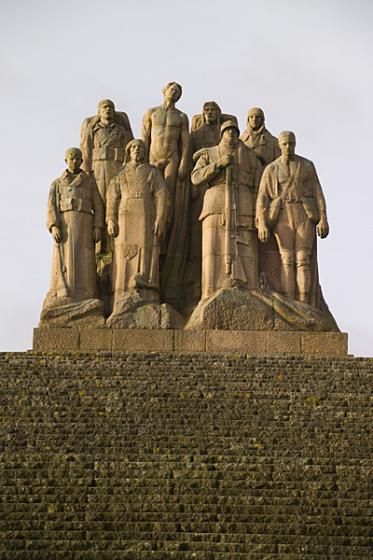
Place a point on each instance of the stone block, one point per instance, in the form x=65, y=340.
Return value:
x=96, y=339
x=190, y=341
x=142, y=340
x=248, y=342
x=55, y=339
x=324, y=343
x=283, y=342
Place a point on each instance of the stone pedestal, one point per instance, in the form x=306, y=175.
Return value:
x=255, y=343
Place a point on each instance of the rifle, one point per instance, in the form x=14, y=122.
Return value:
x=230, y=216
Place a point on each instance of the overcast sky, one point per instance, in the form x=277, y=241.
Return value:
x=308, y=64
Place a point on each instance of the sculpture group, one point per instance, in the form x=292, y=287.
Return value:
x=186, y=229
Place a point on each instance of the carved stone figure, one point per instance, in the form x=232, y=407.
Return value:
x=76, y=222
x=165, y=132
x=103, y=142
x=291, y=204
x=136, y=215
x=104, y=138
x=258, y=138
x=205, y=133
x=229, y=247
x=206, y=126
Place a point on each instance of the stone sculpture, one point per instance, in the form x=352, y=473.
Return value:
x=165, y=132
x=265, y=146
x=229, y=247
x=258, y=138
x=76, y=222
x=184, y=212
x=136, y=215
x=205, y=133
x=291, y=204
x=103, y=142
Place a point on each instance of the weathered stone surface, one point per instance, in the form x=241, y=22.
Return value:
x=232, y=309
x=56, y=339
x=283, y=342
x=247, y=342
x=324, y=344
x=146, y=340
x=189, y=341
x=241, y=341
x=96, y=339
x=88, y=313
x=132, y=312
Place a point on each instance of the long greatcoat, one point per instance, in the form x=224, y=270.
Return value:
x=243, y=245
x=76, y=207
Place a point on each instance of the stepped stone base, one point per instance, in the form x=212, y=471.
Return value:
x=185, y=456
x=255, y=343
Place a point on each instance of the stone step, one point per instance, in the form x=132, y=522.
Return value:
x=184, y=457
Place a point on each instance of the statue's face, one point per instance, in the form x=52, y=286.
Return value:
x=211, y=114
x=287, y=145
x=73, y=161
x=230, y=134
x=255, y=121
x=172, y=92
x=106, y=111
x=137, y=153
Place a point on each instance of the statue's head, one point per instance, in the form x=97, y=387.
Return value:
x=286, y=142
x=255, y=118
x=73, y=159
x=106, y=109
x=211, y=112
x=229, y=130
x=135, y=151
x=172, y=91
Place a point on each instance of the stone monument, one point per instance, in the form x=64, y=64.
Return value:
x=76, y=222
x=205, y=133
x=104, y=138
x=165, y=132
x=210, y=240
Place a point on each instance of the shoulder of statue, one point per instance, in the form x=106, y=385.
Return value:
x=304, y=161
x=55, y=183
x=268, y=134
x=202, y=152
x=152, y=110
x=245, y=135
x=271, y=166
x=85, y=177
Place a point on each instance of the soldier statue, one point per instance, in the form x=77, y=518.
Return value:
x=76, y=222
x=229, y=246
x=291, y=204
x=103, y=142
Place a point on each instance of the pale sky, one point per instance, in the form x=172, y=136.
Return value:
x=308, y=64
